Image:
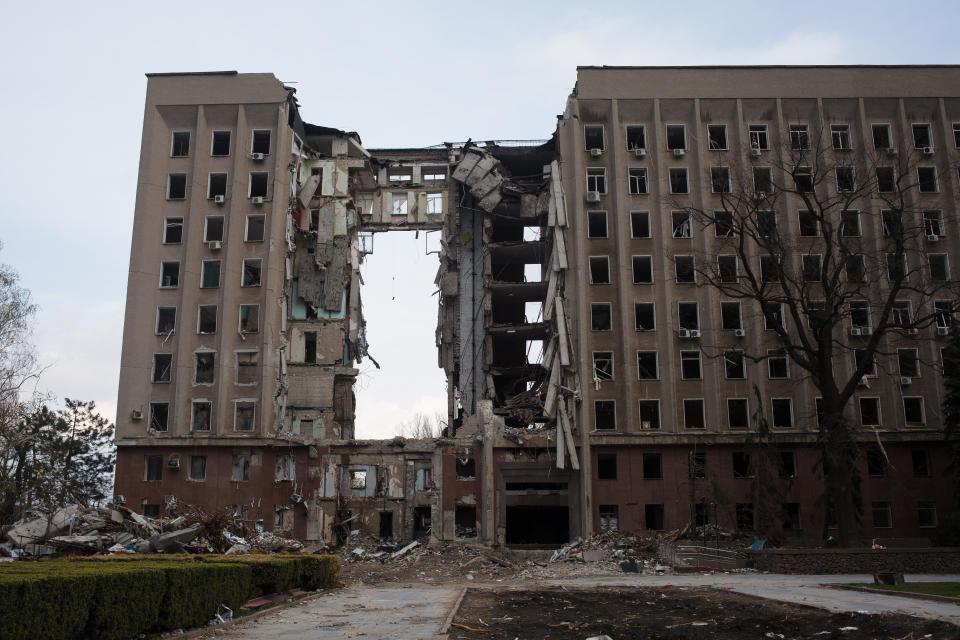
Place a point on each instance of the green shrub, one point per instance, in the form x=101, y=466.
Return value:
x=318, y=572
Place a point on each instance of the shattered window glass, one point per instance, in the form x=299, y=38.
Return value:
x=249, y=318
x=245, y=415
x=251, y=273
x=358, y=479
x=200, y=420
x=204, y=367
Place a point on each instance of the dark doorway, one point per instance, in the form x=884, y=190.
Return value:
x=465, y=521
x=421, y=522
x=538, y=525
x=386, y=525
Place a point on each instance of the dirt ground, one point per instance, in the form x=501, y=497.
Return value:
x=674, y=613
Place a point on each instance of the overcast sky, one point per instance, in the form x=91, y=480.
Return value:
x=400, y=74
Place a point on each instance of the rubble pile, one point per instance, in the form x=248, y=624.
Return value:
x=116, y=529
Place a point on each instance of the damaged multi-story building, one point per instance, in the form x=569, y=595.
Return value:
x=573, y=404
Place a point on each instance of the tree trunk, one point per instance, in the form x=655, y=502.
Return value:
x=842, y=479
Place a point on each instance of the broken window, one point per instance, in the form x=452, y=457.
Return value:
x=679, y=182
x=727, y=268
x=933, y=223
x=247, y=364
x=859, y=356
x=358, y=478
x=939, y=267
x=788, y=464
x=314, y=223
x=399, y=204
x=690, y=365
x=639, y=224
x=597, y=180
x=258, y=184
x=927, y=179
x=599, y=270
x=685, y=270
x=176, y=186
x=777, y=363
x=676, y=136
x=723, y=224
x=249, y=318
x=920, y=459
x=697, y=465
x=856, y=268
x=803, y=179
x=638, y=180
x=744, y=511
x=216, y=185
x=601, y=316
x=886, y=179
x=682, y=224
x=593, y=137
x=251, y=272
x=159, y=415
x=166, y=320
x=434, y=203
x=913, y=411
x=741, y=465
x=309, y=346
x=603, y=365
x=902, y=316
x=172, y=230
x=604, y=415
x=169, y=275
x=204, y=367
x=772, y=316
x=738, y=416
x=921, y=136
x=870, y=411
x=717, y=136
x=850, y=223
x=647, y=367
x=734, y=365
x=642, y=269
x=606, y=466
x=286, y=468
x=766, y=223
x=261, y=141
x=762, y=181
x=201, y=412
x=649, y=414
x=846, y=180
x=943, y=313
x=400, y=174
x=840, y=136
x=596, y=224
x=782, y=412
x=434, y=174
x=881, y=136
x=213, y=229
x=812, y=267
x=220, y=143
x=653, y=516
x=256, y=225
x=688, y=314
x=609, y=517
x=926, y=514
x=466, y=468
x=891, y=222
x=210, y=274
x=198, y=468
x=153, y=468
x=908, y=363
x=465, y=521
x=799, y=137
x=769, y=269
x=283, y=517
x=241, y=468
x=644, y=316
x=652, y=466
x=730, y=316
x=180, y=144
x=882, y=515
x=720, y=179
x=693, y=415
x=636, y=137
x=162, y=366
x=245, y=414
x=758, y=137
x=207, y=319
x=809, y=224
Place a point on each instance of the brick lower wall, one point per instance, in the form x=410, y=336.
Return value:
x=945, y=560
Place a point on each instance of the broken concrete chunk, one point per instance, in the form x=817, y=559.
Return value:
x=238, y=548
x=167, y=541
x=404, y=551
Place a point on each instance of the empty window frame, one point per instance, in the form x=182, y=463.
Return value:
x=201, y=413
x=788, y=464
x=599, y=270
x=676, y=136
x=601, y=316
x=652, y=466
x=778, y=364
x=688, y=316
x=799, y=137
x=256, y=226
x=882, y=515
x=245, y=415
x=773, y=318
x=762, y=181
x=769, y=269
x=956, y=135
x=840, y=137
x=166, y=320
x=309, y=346
x=727, y=268
x=803, y=179
x=891, y=223
x=870, y=369
x=913, y=411
x=153, y=468
x=939, y=267
x=172, y=230
x=596, y=224
x=636, y=137
x=908, y=363
x=745, y=516
x=159, y=416
x=679, y=180
x=812, y=267
x=649, y=411
x=198, y=468
x=856, y=268
x=943, y=313
x=758, y=137
x=220, y=143
x=642, y=269
x=809, y=223
x=886, y=179
x=169, y=274
x=933, y=223
x=685, y=269
x=850, y=223
x=162, y=367
x=927, y=180
x=846, y=179
x=434, y=203
x=734, y=365
x=593, y=137
x=258, y=184
x=399, y=204
x=603, y=365
x=433, y=173
x=637, y=177
x=921, y=136
x=690, y=368
x=252, y=272
x=902, y=315
x=207, y=318
x=920, y=460
x=653, y=517
x=723, y=224
x=213, y=229
x=741, y=464
x=682, y=224
x=180, y=144
x=693, y=414
x=869, y=411
x=210, y=274
x=766, y=224
x=717, y=136
x=738, y=413
x=720, y=179
x=260, y=142
x=240, y=471
x=881, y=136
x=604, y=415
x=606, y=466
x=176, y=186
x=597, y=179
x=926, y=514
x=248, y=363
x=730, y=319
x=647, y=365
x=644, y=316
x=216, y=185
x=639, y=224
x=204, y=362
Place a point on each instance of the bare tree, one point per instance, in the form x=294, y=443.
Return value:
x=420, y=426
x=838, y=256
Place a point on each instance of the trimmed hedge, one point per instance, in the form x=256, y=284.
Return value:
x=119, y=597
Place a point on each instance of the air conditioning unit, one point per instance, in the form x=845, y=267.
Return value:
x=174, y=462
x=136, y=414
x=928, y=151
x=892, y=151
x=593, y=196
x=943, y=331
x=854, y=331
x=596, y=153
x=864, y=382
x=256, y=199
x=256, y=156
x=739, y=333
x=755, y=152
x=640, y=153
x=905, y=381
x=759, y=195
x=679, y=153
x=694, y=333
x=932, y=237
x=219, y=199
x=683, y=333
x=215, y=245
x=866, y=331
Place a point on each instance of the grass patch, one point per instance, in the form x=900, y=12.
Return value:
x=948, y=589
